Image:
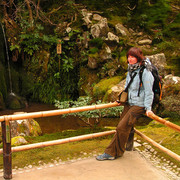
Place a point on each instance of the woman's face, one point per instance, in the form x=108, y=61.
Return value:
x=132, y=59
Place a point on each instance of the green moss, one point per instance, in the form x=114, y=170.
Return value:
x=94, y=55
x=152, y=16
x=35, y=130
x=104, y=85
x=63, y=151
x=123, y=62
x=15, y=104
x=105, y=98
x=114, y=19
x=93, y=50
x=22, y=128
x=167, y=137
x=96, y=42
x=173, y=29
x=15, y=141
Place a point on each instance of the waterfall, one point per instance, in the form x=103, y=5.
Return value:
x=7, y=55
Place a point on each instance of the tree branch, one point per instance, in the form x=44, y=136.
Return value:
x=30, y=11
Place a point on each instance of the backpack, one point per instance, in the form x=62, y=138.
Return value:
x=157, y=86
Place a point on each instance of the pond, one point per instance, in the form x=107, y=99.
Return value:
x=58, y=123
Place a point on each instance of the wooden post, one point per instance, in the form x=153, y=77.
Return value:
x=7, y=158
x=59, y=51
x=59, y=47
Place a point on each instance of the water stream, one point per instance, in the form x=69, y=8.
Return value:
x=7, y=56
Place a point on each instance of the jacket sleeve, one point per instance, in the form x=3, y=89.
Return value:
x=148, y=81
x=127, y=80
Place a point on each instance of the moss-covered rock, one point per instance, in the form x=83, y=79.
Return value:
x=25, y=127
x=104, y=85
x=15, y=102
x=18, y=140
x=112, y=94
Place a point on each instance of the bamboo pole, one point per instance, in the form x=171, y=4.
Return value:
x=60, y=141
x=167, y=151
x=55, y=112
x=165, y=122
x=80, y=109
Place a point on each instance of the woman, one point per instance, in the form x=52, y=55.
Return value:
x=138, y=104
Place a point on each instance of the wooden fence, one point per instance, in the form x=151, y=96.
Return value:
x=6, y=133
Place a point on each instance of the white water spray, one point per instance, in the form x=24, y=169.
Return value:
x=7, y=54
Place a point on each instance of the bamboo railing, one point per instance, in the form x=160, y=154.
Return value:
x=7, y=150
x=60, y=141
x=165, y=122
x=162, y=148
x=55, y=112
x=79, y=109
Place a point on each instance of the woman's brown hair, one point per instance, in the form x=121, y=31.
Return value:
x=136, y=52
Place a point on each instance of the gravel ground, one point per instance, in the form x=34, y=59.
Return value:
x=162, y=164
x=145, y=150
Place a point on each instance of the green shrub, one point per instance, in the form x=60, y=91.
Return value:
x=96, y=42
x=93, y=50
x=172, y=30
x=84, y=101
x=151, y=15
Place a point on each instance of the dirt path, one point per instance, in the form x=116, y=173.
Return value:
x=132, y=166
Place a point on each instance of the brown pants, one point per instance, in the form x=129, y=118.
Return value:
x=127, y=120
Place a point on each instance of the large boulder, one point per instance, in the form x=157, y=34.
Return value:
x=171, y=85
x=25, y=127
x=100, y=29
x=105, y=54
x=97, y=17
x=115, y=91
x=14, y=101
x=102, y=89
x=159, y=60
x=171, y=94
x=112, y=37
x=121, y=30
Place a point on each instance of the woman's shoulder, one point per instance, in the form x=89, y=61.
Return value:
x=147, y=73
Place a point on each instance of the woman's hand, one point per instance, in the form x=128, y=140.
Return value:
x=118, y=102
x=148, y=112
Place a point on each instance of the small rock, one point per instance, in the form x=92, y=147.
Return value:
x=19, y=140
x=145, y=42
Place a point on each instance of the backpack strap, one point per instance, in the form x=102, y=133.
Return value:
x=130, y=81
x=140, y=77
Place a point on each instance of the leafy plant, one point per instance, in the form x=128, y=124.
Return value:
x=46, y=91
x=86, y=115
x=67, y=64
x=32, y=39
x=96, y=42
x=93, y=50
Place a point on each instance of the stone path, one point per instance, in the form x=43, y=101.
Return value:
x=132, y=166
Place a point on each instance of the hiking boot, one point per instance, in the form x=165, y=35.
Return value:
x=105, y=156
